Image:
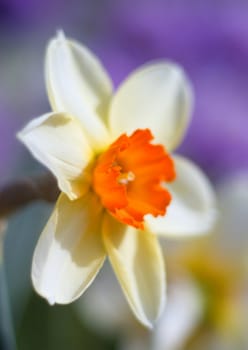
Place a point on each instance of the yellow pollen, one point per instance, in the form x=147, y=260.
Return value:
x=125, y=178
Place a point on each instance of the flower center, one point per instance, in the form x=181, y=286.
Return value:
x=125, y=178
x=128, y=178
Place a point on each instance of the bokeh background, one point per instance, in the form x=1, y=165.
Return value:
x=210, y=40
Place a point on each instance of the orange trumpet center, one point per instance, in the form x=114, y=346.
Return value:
x=128, y=178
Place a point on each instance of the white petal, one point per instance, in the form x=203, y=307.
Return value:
x=57, y=141
x=69, y=252
x=193, y=207
x=138, y=263
x=233, y=223
x=157, y=96
x=78, y=84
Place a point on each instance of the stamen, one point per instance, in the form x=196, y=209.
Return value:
x=125, y=178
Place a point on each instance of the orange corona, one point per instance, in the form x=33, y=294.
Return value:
x=128, y=178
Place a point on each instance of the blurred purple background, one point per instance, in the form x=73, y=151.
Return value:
x=209, y=39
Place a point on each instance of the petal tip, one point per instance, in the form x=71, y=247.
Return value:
x=60, y=34
x=150, y=322
x=20, y=135
x=58, y=39
x=51, y=301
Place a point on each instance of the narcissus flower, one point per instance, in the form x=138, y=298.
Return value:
x=119, y=184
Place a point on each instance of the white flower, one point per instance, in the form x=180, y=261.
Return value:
x=113, y=198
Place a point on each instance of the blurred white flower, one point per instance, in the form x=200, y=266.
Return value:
x=181, y=316
x=104, y=309
x=217, y=265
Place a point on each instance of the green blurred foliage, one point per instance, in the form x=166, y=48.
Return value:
x=57, y=327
